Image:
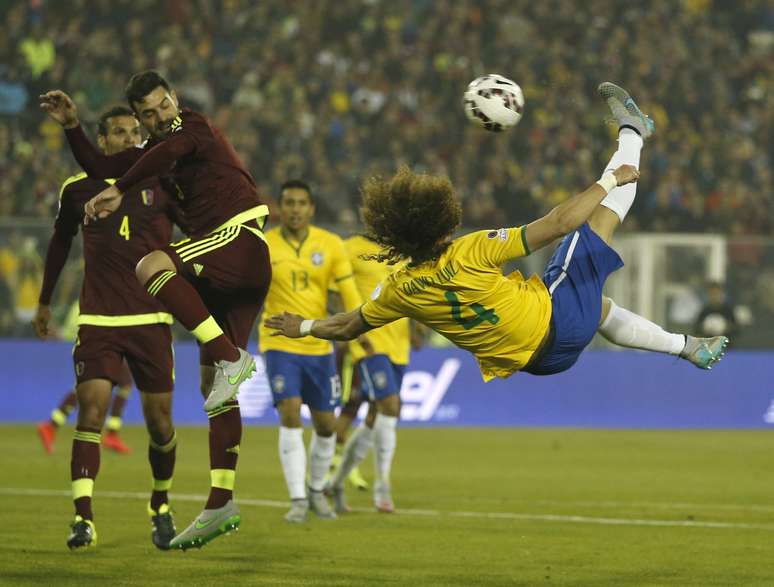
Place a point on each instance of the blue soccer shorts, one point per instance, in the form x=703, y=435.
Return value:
x=575, y=276
x=380, y=377
x=313, y=378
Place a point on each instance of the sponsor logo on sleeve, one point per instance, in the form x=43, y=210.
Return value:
x=501, y=233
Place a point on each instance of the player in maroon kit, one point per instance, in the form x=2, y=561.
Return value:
x=117, y=320
x=215, y=281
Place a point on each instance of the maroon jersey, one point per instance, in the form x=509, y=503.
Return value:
x=111, y=248
x=195, y=162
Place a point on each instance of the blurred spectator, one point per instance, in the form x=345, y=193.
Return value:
x=38, y=51
x=333, y=90
x=717, y=315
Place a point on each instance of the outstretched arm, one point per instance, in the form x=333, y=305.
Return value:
x=61, y=108
x=569, y=215
x=343, y=326
x=156, y=161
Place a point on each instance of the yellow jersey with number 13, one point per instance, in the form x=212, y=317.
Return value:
x=393, y=340
x=302, y=274
x=464, y=296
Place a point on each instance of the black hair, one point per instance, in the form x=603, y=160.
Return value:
x=142, y=84
x=102, y=127
x=297, y=184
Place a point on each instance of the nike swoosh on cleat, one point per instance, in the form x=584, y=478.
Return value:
x=199, y=525
x=236, y=378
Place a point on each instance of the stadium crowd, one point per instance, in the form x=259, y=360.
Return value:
x=333, y=91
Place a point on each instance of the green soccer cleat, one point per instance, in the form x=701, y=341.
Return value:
x=625, y=110
x=357, y=480
x=163, y=526
x=704, y=352
x=83, y=534
x=229, y=375
x=207, y=526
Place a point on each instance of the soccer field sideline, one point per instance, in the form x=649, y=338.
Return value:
x=575, y=519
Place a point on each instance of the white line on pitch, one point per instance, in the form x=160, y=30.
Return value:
x=419, y=512
x=754, y=507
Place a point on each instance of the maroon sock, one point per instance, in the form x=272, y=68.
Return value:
x=84, y=464
x=162, y=462
x=185, y=304
x=225, y=435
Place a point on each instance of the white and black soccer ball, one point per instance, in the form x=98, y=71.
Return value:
x=494, y=102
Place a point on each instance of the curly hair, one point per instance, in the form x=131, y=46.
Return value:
x=412, y=215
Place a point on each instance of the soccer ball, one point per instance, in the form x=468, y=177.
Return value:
x=494, y=102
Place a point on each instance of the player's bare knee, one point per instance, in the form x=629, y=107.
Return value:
x=159, y=424
x=604, y=222
x=390, y=405
x=91, y=415
x=324, y=423
x=151, y=264
x=289, y=411
x=157, y=409
x=160, y=431
x=325, y=430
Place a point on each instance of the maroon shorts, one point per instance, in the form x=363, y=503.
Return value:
x=100, y=352
x=231, y=270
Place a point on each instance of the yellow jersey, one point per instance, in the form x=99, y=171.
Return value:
x=302, y=273
x=393, y=339
x=464, y=296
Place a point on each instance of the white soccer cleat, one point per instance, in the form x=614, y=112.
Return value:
x=298, y=511
x=339, y=498
x=383, y=498
x=229, y=375
x=207, y=526
x=318, y=503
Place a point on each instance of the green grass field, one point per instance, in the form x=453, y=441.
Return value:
x=476, y=507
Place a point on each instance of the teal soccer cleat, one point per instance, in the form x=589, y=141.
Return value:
x=704, y=352
x=625, y=110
